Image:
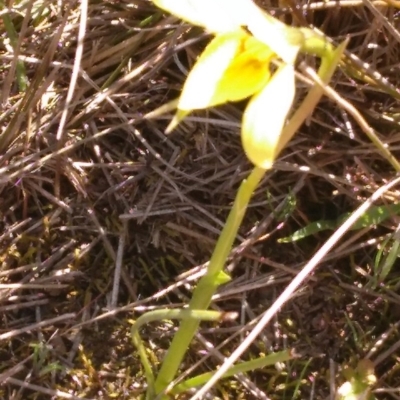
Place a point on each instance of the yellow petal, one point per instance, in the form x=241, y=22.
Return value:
x=265, y=117
x=178, y=117
x=233, y=67
x=284, y=40
x=209, y=69
x=215, y=15
x=219, y=16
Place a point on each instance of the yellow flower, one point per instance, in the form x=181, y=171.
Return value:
x=236, y=65
x=233, y=67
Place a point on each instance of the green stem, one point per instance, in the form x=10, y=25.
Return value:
x=209, y=283
x=328, y=66
x=13, y=36
x=157, y=315
x=330, y=58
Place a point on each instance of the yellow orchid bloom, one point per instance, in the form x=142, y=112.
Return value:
x=233, y=67
x=236, y=65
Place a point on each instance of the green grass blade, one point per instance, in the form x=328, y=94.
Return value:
x=383, y=269
x=310, y=229
x=243, y=367
x=374, y=216
x=12, y=33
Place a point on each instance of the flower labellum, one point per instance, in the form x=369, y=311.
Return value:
x=233, y=67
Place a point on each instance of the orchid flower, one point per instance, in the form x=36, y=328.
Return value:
x=236, y=65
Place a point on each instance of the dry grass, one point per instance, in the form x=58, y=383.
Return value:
x=104, y=217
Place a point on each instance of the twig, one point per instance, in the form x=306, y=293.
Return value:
x=38, y=325
x=291, y=288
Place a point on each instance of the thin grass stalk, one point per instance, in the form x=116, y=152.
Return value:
x=12, y=33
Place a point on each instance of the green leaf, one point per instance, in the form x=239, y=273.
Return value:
x=374, y=216
x=265, y=116
x=222, y=278
x=384, y=262
x=310, y=229
x=359, y=382
x=242, y=367
x=353, y=390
